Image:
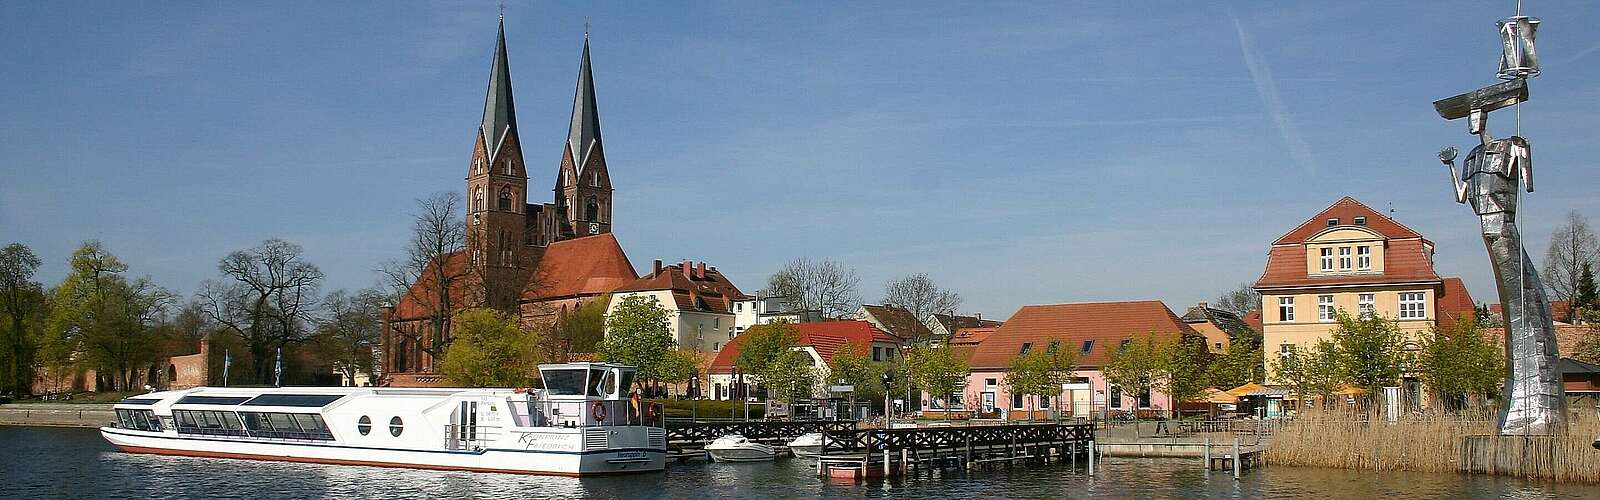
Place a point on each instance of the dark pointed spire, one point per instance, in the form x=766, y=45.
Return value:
x=499, y=113
x=584, y=133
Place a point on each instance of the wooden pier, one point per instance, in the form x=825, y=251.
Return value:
x=859, y=453
x=1233, y=458
x=697, y=434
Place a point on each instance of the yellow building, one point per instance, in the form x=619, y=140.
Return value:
x=1352, y=258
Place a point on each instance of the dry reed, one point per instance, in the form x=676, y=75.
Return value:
x=1433, y=443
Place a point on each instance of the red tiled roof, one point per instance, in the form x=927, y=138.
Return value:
x=826, y=337
x=972, y=336
x=1453, y=303
x=420, y=299
x=897, y=321
x=1558, y=310
x=1106, y=323
x=691, y=290
x=1405, y=255
x=1346, y=210
x=590, y=265
x=1567, y=337
x=1253, y=318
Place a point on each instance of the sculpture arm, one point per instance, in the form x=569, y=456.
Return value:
x=1456, y=182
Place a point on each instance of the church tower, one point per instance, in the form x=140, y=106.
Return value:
x=583, y=188
x=497, y=182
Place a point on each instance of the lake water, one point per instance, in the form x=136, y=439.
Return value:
x=77, y=463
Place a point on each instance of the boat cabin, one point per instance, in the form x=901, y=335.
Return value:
x=584, y=394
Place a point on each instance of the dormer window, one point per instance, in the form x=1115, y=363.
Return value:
x=1333, y=222
x=1361, y=221
x=1025, y=347
x=1327, y=259
x=1087, y=346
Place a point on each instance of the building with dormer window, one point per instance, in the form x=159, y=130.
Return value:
x=1354, y=259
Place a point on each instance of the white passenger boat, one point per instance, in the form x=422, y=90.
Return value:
x=735, y=448
x=580, y=424
x=807, y=445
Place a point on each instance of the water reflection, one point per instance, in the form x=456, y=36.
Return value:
x=57, y=463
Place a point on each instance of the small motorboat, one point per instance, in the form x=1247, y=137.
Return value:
x=807, y=445
x=735, y=448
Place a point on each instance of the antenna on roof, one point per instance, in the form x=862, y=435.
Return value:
x=585, y=27
x=1391, y=207
x=502, y=11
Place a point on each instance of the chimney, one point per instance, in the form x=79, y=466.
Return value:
x=700, y=272
x=655, y=271
x=1203, y=305
x=688, y=271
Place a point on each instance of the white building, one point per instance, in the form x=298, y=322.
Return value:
x=699, y=300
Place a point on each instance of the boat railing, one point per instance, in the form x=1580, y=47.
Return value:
x=591, y=413
x=469, y=437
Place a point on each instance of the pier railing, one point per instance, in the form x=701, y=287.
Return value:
x=681, y=433
x=933, y=438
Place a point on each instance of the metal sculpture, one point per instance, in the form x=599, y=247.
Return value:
x=1492, y=173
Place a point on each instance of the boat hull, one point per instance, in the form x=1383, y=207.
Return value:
x=511, y=461
x=748, y=453
x=806, y=451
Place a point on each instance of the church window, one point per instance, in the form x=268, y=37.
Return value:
x=594, y=180
x=477, y=200
x=505, y=200
x=592, y=211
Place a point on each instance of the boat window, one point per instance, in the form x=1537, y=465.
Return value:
x=310, y=423
x=627, y=380
x=564, y=382
x=282, y=422
x=298, y=400
x=230, y=420
x=138, y=401
x=208, y=420
x=596, y=389
x=212, y=400
x=255, y=422
x=364, y=426
x=608, y=383
x=184, y=419
x=396, y=426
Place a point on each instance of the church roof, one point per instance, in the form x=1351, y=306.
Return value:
x=584, y=133
x=421, y=297
x=499, y=112
x=590, y=265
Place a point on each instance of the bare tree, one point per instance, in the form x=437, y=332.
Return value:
x=1240, y=300
x=917, y=293
x=1571, y=246
x=350, y=331
x=822, y=286
x=425, y=276
x=266, y=298
x=190, y=324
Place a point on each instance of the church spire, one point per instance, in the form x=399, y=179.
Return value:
x=499, y=113
x=584, y=134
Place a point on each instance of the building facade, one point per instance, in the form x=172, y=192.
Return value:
x=820, y=340
x=1354, y=259
x=699, y=301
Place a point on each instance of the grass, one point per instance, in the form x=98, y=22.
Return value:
x=1431, y=443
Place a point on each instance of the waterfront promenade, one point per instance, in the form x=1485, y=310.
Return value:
x=57, y=414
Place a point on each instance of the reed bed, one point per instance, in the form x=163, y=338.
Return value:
x=1435, y=443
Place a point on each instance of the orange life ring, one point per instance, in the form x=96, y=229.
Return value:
x=598, y=409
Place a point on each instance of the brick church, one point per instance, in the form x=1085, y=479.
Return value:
x=540, y=259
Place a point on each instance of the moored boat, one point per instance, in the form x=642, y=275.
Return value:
x=735, y=448
x=580, y=424
x=807, y=445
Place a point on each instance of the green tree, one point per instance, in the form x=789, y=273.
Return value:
x=584, y=328
x=762, y=346
x=1138, y=364
x=637, y=335
x=1309, y=372
x=1029, y=375
x=1587, y=299
x=853, y=366
x=490, y=349
x=1183, y=369
x=680, y=366
x=939, y=371
x=791, y=376
x=103, y=316
x=1460, y=361
x=1369, y=351
x=22, y=302
x=1241, y=364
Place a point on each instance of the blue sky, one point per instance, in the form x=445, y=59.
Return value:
x=1019, y=153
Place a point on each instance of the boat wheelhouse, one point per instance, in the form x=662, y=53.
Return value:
x=580, y=423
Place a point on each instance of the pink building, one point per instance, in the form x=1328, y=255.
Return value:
x=1092, y=329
